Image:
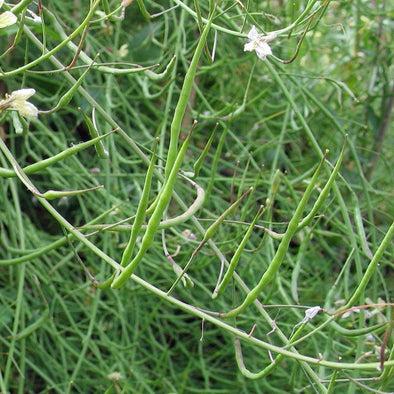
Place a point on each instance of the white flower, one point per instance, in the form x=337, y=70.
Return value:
x=259, y=43
x=311, y=313
x=115, y=376
x=123, y=51
x=7, y=18
x=17, y=100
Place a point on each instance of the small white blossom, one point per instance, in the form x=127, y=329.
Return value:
x=259, y=43
x=7, y=18
x=115, y=376
x=18, y=100
x=123, y=51
x=311, y=313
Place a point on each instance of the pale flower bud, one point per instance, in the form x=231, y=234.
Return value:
x=7, y=18
x=18, y=100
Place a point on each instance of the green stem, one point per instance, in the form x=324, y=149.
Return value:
x=183, y=100
x=42, y=164
x=57, y=48
x=282, y=248
x=252, y=340
x=26, y=181
x=387, y=240
x=140, y=215
x=237, y=255
x=154, y=222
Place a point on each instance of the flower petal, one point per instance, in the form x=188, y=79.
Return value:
x=250, y=46
x=263, y=50
x=1, y=3
x=311, y=313
x=27, y=109
x=22, y=94
x=269, y=37
x=253, y=33
x=7, y=18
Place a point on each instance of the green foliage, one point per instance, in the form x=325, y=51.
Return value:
x=246, y=252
